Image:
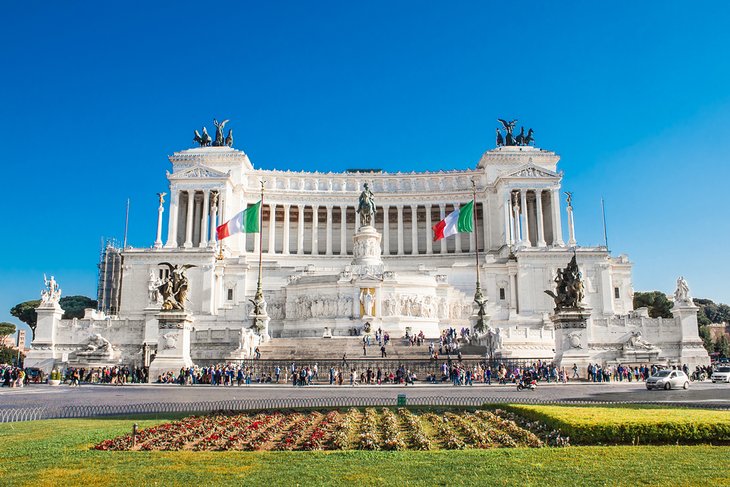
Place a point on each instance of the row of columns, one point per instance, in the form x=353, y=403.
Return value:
x=517, y=217
x=211, y=213
x=343, y=236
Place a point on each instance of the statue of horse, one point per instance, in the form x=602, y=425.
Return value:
x=529, y=139
x=366, y=207
x=520, y=139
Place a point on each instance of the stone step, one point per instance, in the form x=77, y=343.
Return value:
x=336, y=347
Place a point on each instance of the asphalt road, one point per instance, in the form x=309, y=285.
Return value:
x=42, y=395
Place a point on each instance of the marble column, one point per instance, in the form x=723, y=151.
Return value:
x=400, y=229
x=516, y=221
x=285, y=231
x=540, y=219
x=189, y=221
x=386, y=230
x=507, y=204
x=300, y=230
x=429, y=230
x=213, y=222
x=272, y=228
x=172, y=219
x=442, y=213
x=343, y=230
x=204, y=216
x=315, y=229
x=328, y=248
x=513, y=291
x=457, y=237
x=557, y=225
x=160, y=211
x=525, y=219
x=414, y=229
x=571, y=227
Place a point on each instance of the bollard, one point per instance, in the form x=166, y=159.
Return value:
x=134, y=434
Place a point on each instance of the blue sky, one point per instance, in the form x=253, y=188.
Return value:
x=635, y=97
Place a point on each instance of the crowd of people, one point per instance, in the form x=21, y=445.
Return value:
x=456, y=372
x=620, y=373
x=117, y=375
x=12, y=376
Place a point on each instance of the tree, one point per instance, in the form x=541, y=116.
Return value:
x=10, y=355
x=706, y=339
x=6, y=329
x=73, y=307
x=657, y=302
x=25, y=312
x=722, y=345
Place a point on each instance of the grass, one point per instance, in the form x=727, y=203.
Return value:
x=632, y=425
x=57, y=452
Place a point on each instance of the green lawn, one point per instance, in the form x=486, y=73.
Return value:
x=57, y=452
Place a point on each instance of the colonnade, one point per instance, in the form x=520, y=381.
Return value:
x=532, y=217
x=200, y=212
x=327, y=229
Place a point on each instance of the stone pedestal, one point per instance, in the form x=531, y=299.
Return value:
x=692, y=352
x=571, y=337
x=173, y=343
x=43, y=353
x=263, y=325
x=366, y=247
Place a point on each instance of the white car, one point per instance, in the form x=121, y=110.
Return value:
x=668, y=379
x=721, y=374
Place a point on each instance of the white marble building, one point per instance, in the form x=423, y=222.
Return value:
x=314, y=285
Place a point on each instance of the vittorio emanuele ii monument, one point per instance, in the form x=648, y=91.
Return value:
x=342, y=254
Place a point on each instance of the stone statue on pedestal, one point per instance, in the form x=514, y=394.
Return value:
x=569, y=287
x=681, y=294
x=174, y=288
x=52, y=293
x=366, y=208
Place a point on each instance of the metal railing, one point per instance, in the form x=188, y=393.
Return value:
x=203, y=407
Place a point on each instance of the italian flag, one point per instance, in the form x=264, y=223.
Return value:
x=459, y=221
x=245, y=222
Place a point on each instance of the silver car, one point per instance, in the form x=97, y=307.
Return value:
x=668, y=379
x=721, y=374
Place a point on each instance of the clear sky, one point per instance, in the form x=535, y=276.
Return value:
x=635, y=97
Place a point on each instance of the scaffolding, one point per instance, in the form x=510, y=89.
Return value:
x=110, y=277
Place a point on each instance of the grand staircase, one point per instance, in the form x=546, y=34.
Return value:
x=334, y=348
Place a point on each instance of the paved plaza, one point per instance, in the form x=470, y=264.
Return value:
x=699, y=394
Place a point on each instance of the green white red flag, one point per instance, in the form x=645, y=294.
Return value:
x=460, y=220
x=246, y=221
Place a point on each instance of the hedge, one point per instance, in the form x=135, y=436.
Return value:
x=632, y=425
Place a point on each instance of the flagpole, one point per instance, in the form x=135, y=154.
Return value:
x=476, y=233
x=478, y=295
x=259, y=292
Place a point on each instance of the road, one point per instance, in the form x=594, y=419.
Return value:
x=42, y=395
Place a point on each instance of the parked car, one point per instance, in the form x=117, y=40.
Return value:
x=34, y=375
x=721, y=374
x=668, y=379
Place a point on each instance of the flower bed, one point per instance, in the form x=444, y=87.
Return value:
x=370, y=429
